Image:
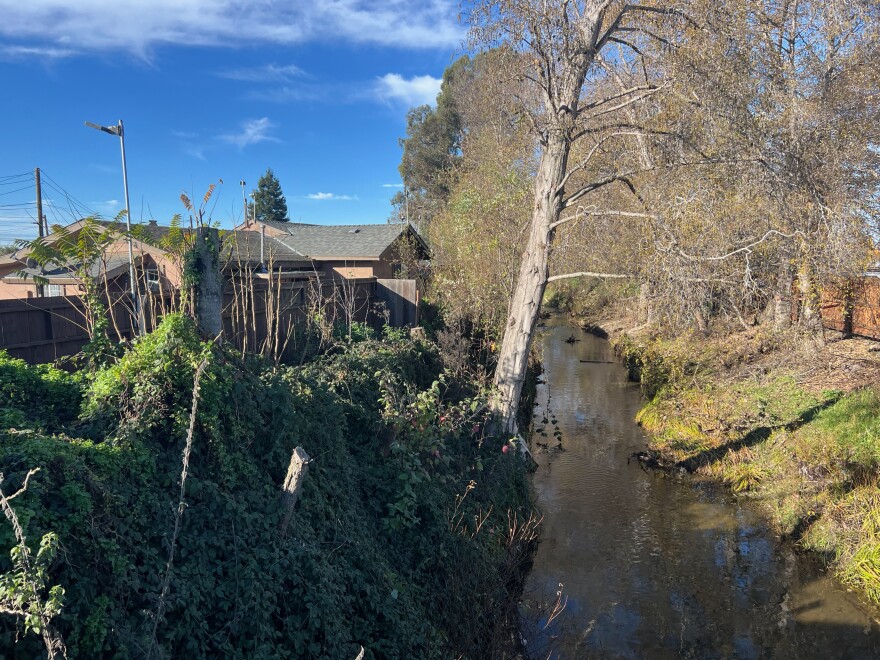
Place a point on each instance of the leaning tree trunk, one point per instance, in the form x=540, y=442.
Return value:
x=534, y=271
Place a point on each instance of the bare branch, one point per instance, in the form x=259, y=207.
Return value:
x=745, y=248
x=606, y=276
x=583, y=212
x=24, y=486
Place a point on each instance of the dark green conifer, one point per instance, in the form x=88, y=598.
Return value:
x=269, y=200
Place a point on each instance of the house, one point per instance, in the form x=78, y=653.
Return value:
x=350, y=251
x=22, y=277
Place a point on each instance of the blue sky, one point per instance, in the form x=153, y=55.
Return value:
x=211, y=90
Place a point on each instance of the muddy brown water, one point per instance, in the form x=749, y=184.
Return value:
x=652, y=565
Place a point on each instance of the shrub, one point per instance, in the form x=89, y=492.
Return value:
x=344, y=576
x=40, y=397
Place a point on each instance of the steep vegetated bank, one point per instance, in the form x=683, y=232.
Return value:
x=790, y=422
x=408, y=538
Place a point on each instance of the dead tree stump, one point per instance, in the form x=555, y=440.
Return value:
x=296, y=474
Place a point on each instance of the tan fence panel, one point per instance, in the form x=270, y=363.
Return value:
x=401, y=300
x=866, y=308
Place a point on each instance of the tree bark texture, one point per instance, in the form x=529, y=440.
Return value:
x=534, y=271
x=209, y=283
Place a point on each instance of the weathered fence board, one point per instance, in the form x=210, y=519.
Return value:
x=40, y=330
x=852, y=307
x=401, y=299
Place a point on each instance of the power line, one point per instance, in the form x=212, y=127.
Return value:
x=9, y=177
x=10, y=192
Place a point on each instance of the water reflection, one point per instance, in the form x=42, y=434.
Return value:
x=653, y=566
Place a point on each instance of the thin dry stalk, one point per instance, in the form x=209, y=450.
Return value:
x=181, y=506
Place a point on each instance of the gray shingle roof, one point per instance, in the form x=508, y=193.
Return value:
x=65, y=272
x=339, y=241
x=244, y=246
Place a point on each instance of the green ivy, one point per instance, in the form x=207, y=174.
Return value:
x=345, y=576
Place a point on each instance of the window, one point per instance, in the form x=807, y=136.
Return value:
x=151, y=277
x=53, y=290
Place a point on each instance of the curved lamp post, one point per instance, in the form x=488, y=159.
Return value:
x=120, y=133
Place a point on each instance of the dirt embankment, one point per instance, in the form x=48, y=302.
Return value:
x=788, y=419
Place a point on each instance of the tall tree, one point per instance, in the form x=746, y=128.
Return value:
x=571, y=93
x=269, y=202
x=431, y=150
x=635, y=142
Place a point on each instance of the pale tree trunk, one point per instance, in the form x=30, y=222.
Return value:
x=779, y=308
x=534, y=271
x=809, y=310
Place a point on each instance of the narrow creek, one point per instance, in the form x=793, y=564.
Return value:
x=651, y=565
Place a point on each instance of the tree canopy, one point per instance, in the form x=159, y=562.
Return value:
x=269, y=202
x=431, y=150
x=705, y=153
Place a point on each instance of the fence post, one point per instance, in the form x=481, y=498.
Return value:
x=296, y=473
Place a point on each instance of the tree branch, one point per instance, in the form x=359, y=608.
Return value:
x=745, y=248
x=607, y=276
x=584, y=212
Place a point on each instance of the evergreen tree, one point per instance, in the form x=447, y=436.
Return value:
x=269, y=200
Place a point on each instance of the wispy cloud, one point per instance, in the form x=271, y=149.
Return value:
x=110, y=202
x=326, y=196
x=288, y=93
x=252, y=131
x=38, y=52
x=266, y=73
x=392, y=185
x=194, y=150
x=417, y=90
x=186, y=135
x=139, y=26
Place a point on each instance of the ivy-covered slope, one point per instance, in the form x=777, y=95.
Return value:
x=400, y=542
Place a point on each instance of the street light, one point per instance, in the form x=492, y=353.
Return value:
x=120, y=133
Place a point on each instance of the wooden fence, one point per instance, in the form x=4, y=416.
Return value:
x=266, y=317
x=401, y=300
x=853, y=307
x=40, y=330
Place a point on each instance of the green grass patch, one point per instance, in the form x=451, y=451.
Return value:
x=811, y=461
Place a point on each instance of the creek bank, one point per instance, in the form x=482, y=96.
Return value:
x=784, y=420
x=646, y=563
x=408, y=538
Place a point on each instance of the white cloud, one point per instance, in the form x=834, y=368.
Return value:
x=325, y=196
x=44, y=52
x=252, y=131
x=392, y=185
x=139, y=26
x=418, y=90
x=266, y=73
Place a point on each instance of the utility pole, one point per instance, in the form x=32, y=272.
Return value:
x=119, y=132
x=40, y=290
x=247, y=219
x=39, y=203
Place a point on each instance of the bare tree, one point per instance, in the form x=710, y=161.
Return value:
x=571, y=95
x=709, y=150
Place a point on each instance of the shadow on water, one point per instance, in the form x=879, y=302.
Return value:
x=650, y=565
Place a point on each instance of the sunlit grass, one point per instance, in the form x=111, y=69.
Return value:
x=811, y=461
